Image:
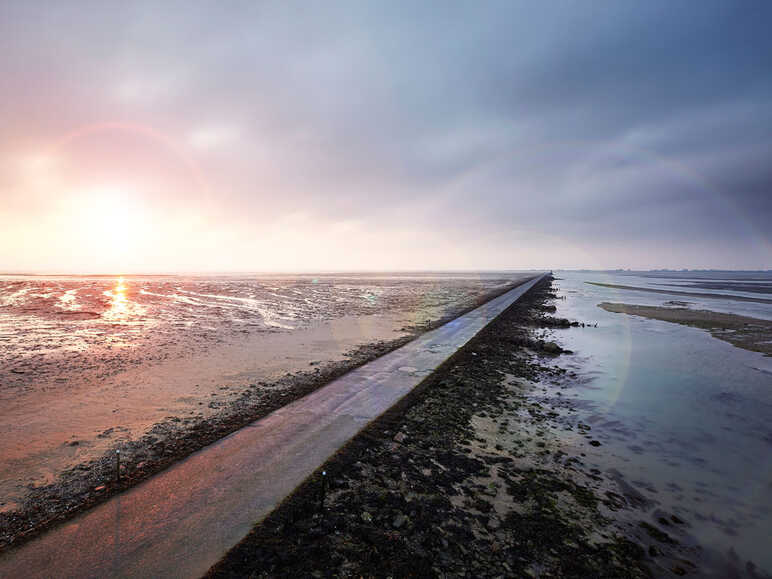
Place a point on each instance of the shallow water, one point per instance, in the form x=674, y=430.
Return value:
x=685, y=416
x=684, y=284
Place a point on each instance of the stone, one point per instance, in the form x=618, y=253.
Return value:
x=399, y=520
x=552, y=348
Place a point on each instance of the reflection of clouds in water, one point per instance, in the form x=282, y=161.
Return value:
x=678, y=408
x=613, y=374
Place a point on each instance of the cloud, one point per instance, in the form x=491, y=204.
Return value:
x=592, y=130
x=212, y=136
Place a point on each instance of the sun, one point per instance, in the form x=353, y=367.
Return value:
x=111, y=220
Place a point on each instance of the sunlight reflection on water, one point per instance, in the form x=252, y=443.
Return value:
x=119, y=306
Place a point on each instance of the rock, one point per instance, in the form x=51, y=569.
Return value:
x=552, y=348
x=105, y=433
x=399, y=520
x=366, y=517
x=594, y=443
x=400, y=437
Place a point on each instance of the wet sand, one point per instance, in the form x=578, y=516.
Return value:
x=45, y=430
x=748, y=333
x=680, y=293
x=480, y=472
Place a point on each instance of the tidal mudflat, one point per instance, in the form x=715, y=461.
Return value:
x=158, y=367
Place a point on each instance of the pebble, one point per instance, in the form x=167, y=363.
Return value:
x=399, y=520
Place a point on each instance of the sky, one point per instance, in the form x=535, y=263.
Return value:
x=296, y=136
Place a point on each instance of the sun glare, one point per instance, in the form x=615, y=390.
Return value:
x=112, y=222
x=119, y=303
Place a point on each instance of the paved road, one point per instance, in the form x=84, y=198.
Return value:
x=182, y=521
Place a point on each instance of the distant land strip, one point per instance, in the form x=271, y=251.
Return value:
x=678, y=293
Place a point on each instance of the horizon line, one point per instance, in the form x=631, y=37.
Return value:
x=181, y=273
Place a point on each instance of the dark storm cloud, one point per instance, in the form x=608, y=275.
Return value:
x=612, y=123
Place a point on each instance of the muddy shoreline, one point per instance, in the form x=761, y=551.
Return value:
x=90, y=483
x=469, y=476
